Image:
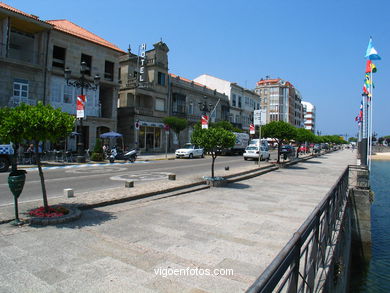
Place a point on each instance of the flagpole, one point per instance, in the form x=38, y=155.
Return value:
x=371, y=103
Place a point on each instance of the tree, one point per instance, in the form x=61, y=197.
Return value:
x=280, y=131
x=303, y=135
x=352, y=139
x=97, y=153
x=213, y=140
x=176, y=124
x=225, y=125
x=38, y=124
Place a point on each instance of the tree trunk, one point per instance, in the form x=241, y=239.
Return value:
x=213, y=156
x=279, y=148
x=44, y=194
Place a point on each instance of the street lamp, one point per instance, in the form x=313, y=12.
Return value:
x=204, y=107
x=81, y=83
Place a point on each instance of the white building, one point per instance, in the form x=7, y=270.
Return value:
x=309, y=111
x=242, y=101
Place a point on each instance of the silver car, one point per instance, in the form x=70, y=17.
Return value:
x=252, y=152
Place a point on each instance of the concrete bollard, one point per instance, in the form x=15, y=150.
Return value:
x=129, y=184
x=68, y=192
x=172, y=177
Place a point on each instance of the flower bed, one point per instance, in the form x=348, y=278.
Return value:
x=57, y=211
x=55, y=215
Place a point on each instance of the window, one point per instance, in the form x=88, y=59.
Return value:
x=68, y=94
x=239, y=101
x=179, y=103
x=109, y=70
x=191, y=108
x=87, y=59
x=246, y=100
x=161, y=79
x=58, y=57
x=160, y=104
x=234, y=101
x=21, y=88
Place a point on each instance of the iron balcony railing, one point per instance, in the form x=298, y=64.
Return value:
x=299, y=263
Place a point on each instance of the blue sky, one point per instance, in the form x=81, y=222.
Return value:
x=318, y=46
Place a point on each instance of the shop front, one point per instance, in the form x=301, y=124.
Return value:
x=150, y=136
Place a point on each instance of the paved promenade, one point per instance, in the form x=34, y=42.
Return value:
x=216, y=240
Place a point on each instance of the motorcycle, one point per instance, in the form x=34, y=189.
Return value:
x=129, y=156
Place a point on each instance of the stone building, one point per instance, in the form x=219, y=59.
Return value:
x=242, y=101
x=144, y=97
x=281, y=100
x=70, y=45
x=33, y=56
x=23, y=57
x=188, y=98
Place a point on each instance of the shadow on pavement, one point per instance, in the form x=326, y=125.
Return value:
x=311, y=162
x=236, y=186
x=296, y=168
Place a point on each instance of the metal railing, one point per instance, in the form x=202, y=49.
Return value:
x=297, y=266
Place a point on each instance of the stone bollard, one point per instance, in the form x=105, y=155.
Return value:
x=172, y=177
x=129, y=184
x=68, y=192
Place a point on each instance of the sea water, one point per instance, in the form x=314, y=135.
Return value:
x=376, y=273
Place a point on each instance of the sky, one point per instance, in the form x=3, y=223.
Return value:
x=318, y=46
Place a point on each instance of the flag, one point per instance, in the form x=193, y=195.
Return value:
x=371, y=53
x=370, y=66
x=366, y=85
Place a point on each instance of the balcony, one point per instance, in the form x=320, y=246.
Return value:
x=16, y=101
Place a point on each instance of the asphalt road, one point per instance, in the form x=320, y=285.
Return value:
x=89, y=178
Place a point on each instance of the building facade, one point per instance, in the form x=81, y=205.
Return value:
x=188, y=98
x=144, y=97
x=33, y=57
x=309, y=111
x=23, y=56
x=242, y=101
x=281, y=101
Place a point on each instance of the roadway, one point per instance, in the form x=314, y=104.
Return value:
x=82, y=178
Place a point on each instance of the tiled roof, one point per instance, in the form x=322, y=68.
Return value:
x=274, y=81
x=75, y=30
x=189, y=81
x=10, y=8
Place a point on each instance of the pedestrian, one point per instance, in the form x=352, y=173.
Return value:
x=30, y=149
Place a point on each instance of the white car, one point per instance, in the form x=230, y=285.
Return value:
x=252, y=152
x=189, y=151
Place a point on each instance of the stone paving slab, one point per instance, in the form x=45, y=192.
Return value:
x=138, y=246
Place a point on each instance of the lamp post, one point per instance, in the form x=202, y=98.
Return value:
x=81, y=83
x=205, y=109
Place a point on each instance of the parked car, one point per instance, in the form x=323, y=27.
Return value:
x=252, y=152
x=303, y=149
x=287, y=151
x=190, y=151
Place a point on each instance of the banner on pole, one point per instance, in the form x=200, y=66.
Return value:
x=251, y=129
x=80, y=106
x=205, y=122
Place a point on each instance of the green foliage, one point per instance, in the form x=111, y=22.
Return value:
x=225, y=125
x=213, y=140
x=97, y=153
x=38, y=123
x=280, y=131
x=175, y=123
x=304, y=135
x=352, y=139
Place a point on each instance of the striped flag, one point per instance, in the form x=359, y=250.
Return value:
x=371, y=53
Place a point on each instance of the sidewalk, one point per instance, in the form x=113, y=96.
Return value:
x=215, y=240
